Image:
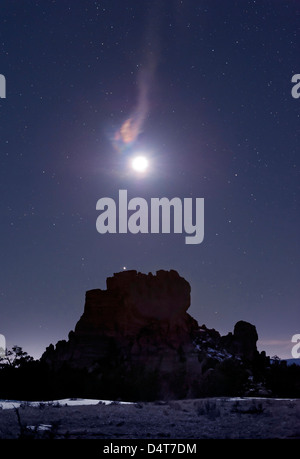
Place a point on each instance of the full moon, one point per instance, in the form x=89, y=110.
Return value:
x=140, y=164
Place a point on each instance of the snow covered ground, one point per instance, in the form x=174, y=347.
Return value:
x=212, y=418
x=10, y=404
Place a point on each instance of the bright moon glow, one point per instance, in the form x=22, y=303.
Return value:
x=140, y=164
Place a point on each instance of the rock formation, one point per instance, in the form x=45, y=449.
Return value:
x=138, y=332
x=243, y=340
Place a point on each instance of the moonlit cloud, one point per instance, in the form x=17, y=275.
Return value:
x=133, y=125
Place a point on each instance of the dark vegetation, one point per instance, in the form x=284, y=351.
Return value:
x=23, y=378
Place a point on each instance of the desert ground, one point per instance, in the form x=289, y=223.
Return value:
x=210, y=418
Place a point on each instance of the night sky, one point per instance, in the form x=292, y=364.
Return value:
x=206, y=87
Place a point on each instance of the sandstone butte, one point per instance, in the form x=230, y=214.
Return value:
x=140, y=322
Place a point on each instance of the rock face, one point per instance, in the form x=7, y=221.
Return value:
x=133, y=300
x=138, y=332
x=243, y=340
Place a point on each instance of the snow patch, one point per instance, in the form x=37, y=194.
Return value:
x=11, y=404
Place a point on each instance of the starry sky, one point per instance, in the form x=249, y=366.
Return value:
x=208, y=86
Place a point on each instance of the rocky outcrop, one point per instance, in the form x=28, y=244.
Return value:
x=133, y=300
x=138, y=333
x=243, y=341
